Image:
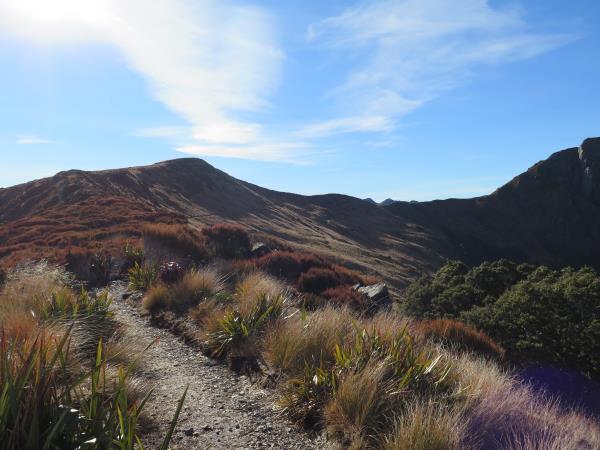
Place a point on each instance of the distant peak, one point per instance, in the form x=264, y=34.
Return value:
x=177, y=162
x=387, y=201
x=590, y=144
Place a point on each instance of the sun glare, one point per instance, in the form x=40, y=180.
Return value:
x=54, y=19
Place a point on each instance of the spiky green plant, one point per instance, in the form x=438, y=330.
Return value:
x=43, y=405
x=141, y=277
x=238, y=328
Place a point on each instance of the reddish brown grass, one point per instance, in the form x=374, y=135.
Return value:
x=460, y=336
x=227, y=240
x=112, y=221
x=317, y=280
x=345, y=295
x=289, y=265
x=178, y=242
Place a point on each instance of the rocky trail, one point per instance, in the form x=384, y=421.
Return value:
x=222, y=410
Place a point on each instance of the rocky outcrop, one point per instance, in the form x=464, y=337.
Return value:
x=378, y=295
x=589, y=156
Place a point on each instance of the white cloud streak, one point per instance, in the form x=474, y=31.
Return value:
x=30, y=139
x=405, y=53
x=217, y=64
x=209, y=61
x=346, y=125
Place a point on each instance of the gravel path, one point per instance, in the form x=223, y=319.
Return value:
x=221, y=411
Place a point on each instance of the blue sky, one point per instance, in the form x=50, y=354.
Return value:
x=409, y=99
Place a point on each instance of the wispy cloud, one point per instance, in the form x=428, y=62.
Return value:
x=209, y=61
x=346, y=125
x=404, y=53
x=291, y=152
x=30, y=139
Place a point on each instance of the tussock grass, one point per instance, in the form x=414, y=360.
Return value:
x=58, y=386
x=193, y=288
x=427, y=425
x=298, y=342
x=254, y=286
x=500, y=412
x=31, y=285
x=363, y=404
x=239, y=331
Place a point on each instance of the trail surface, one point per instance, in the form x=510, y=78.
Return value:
x=221, y=411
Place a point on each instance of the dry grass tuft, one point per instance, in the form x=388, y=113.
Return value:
x=427, y=425
x=195, y=287
x=363, y=405
x=255, y=285
x=295, y=342
x=501, y=413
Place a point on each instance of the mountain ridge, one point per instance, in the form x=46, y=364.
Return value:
x=546, y=215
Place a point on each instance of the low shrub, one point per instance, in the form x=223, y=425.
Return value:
x=289, y=265
x=460, y=336
x=228, y=241
x=346, y=296
x=173, y=242
x=351, y=277
x=141, y=277
x=537, y=315
x=317, y=279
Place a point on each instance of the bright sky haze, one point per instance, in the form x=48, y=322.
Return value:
x=409, y=99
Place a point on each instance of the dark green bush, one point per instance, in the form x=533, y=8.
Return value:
x=536, y=314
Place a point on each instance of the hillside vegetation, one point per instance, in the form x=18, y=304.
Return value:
x=535, y=313
x=369, y=377
x=547, y=215
x=66, y=379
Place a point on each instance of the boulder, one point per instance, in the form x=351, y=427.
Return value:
x=259, y=249
x=378, y=294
